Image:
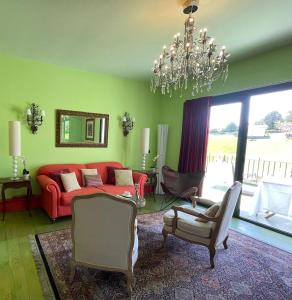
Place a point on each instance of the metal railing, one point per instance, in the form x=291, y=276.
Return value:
x=255, y=169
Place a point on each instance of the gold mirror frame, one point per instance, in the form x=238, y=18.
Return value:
x=60, y=113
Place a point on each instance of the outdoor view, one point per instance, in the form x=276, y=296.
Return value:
x=267, y=185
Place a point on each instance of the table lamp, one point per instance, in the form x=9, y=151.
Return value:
x=14, y=145
x=145, y=139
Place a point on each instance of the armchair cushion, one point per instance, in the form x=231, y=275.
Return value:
x=210, y=212
x=188, y=224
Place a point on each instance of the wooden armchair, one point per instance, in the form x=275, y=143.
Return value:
x=180, y=221
x=104, y=234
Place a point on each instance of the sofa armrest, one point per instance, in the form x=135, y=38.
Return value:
x=49, y=185
x=141, y=179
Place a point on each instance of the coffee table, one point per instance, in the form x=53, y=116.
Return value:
x=141, y=202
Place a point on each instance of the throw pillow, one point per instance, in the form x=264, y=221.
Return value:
x=124, y=177
x=70, y=182
x=111, y=179
x=56, y=176
x=210, y=212
x=87, y=172
x=93, y=180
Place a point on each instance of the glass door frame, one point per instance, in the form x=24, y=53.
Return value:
x=243, y=97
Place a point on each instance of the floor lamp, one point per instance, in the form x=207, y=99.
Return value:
x=14, y=145
x=145, y=139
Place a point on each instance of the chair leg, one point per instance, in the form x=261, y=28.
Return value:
x=72, y=271
x=165, y=234
x=130, y=281
x=212, y=251
x=225, y=243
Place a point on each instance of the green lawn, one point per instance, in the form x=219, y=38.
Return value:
x=277, y=148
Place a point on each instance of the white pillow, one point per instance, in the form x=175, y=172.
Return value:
x=124, y=177
x=87, y=172
x=70, y=182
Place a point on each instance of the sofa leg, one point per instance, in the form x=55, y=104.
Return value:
x=212, y=251
x=53, y=221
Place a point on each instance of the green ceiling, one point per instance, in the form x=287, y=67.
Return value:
x=123, y=37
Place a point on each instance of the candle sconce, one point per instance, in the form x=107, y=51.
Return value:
x=34, y=117
x=127, y=123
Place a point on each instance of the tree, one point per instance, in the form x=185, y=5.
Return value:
x=231, y=127
x=272, y=118
x=289, y=116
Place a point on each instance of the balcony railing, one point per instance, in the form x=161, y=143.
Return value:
x=255, y=169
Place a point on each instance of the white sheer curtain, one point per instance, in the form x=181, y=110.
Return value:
x=161, y=151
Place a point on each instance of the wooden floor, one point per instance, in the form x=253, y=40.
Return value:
x=18, y=274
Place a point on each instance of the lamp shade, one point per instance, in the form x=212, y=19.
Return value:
x=14, y=138
x=145, y=139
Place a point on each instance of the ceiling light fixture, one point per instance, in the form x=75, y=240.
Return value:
x=191, y=58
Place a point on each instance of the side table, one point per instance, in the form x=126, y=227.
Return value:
x=152, y=180
x=8, y=183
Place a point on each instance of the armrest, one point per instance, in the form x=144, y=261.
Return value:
x=141, y=179
x=192, y=191
x=49, y=185
x=193, y=213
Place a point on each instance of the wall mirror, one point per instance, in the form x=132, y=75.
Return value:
x=81, y=129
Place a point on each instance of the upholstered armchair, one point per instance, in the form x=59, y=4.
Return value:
x=182, y=222
x=104, y=234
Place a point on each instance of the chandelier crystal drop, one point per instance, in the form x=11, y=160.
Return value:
x=193, y=58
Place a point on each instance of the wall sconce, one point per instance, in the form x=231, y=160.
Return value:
x=34, y=117
x=127, y=123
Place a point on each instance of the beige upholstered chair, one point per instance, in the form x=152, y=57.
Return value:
x=104, y=234
x=181, y=222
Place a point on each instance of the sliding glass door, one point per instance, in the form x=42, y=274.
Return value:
x=222, y=146
x=267, y=177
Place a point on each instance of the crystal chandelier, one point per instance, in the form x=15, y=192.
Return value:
x=193, y=59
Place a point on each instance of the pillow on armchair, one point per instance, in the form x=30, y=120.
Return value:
x=210, y=212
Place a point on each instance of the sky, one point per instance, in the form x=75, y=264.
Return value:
x=260, y=106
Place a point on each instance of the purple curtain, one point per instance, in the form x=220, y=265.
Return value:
x=194, y=139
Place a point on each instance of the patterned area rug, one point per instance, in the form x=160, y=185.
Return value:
x=249, y=269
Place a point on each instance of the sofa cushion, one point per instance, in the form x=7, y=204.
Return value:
x=117, y=189
x=124, y=177
x=56, y=176
x=45, y=170
x=70, y=182
x=66, y=198
x=111, y=175
x=93, y=180
x=87, y=172
x=102, y=168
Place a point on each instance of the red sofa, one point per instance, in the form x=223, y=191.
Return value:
x=58, y=204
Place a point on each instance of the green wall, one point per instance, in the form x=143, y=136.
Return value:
x=265, y=69
x=53, y=87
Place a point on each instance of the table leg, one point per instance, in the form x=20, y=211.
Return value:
x=4, y=203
